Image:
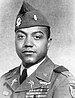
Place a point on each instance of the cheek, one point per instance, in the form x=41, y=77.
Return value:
x=42, y=47
x=19, y=45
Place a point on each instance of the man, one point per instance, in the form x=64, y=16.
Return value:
x=37, y=76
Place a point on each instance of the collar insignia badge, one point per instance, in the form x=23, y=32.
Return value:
x=45, y=74
x=14, y=81
x=31, y=83
x=18, y=23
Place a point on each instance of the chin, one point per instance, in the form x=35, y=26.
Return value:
x=30, y=60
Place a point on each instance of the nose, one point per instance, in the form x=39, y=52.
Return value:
x=28, y=42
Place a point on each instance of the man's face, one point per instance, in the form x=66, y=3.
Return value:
x=31, y=44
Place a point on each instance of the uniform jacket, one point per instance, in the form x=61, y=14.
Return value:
x=48, y=81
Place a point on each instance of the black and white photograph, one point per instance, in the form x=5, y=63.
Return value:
x=37, y=49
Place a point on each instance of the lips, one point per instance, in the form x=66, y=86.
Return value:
x=28, y=52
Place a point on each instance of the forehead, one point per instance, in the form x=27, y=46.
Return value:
x=34, y=29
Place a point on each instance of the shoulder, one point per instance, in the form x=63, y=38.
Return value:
x=7, y=76
x=65, y=80
x=59, y=72
x=9, y=73
x=63, y=72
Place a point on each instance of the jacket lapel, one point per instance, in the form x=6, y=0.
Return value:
x=43, y=73
x=12, y=80
x=31, y=82
x=45, y=70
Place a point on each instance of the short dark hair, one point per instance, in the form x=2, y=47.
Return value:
x=48, y=32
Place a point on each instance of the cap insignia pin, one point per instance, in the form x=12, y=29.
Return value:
x=35, y=17
x=72, y=90
x=18, y=23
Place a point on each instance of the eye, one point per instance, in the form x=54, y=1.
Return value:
x=20, y=36
x=38, y=36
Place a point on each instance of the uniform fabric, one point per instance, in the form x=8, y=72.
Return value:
x=45, y=82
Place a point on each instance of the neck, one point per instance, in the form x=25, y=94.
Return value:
x=28, y=65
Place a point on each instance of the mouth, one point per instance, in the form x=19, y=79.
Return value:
x=28, y=52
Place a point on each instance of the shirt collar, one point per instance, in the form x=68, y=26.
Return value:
x=31, y=69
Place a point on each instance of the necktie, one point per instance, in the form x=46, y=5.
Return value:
x=23, y=76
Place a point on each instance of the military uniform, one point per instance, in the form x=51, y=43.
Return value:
x=48, y=81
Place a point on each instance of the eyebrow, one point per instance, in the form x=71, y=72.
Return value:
x=32, y=32
x=20, y=31
x=38, y=32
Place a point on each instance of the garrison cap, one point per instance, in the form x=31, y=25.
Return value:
x=29, y=17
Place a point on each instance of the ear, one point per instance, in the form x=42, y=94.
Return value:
x=49, y=43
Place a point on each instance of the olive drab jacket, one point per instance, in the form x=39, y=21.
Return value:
x=48, y=81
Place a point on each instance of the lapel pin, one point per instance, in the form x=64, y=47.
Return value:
x=14, y=81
